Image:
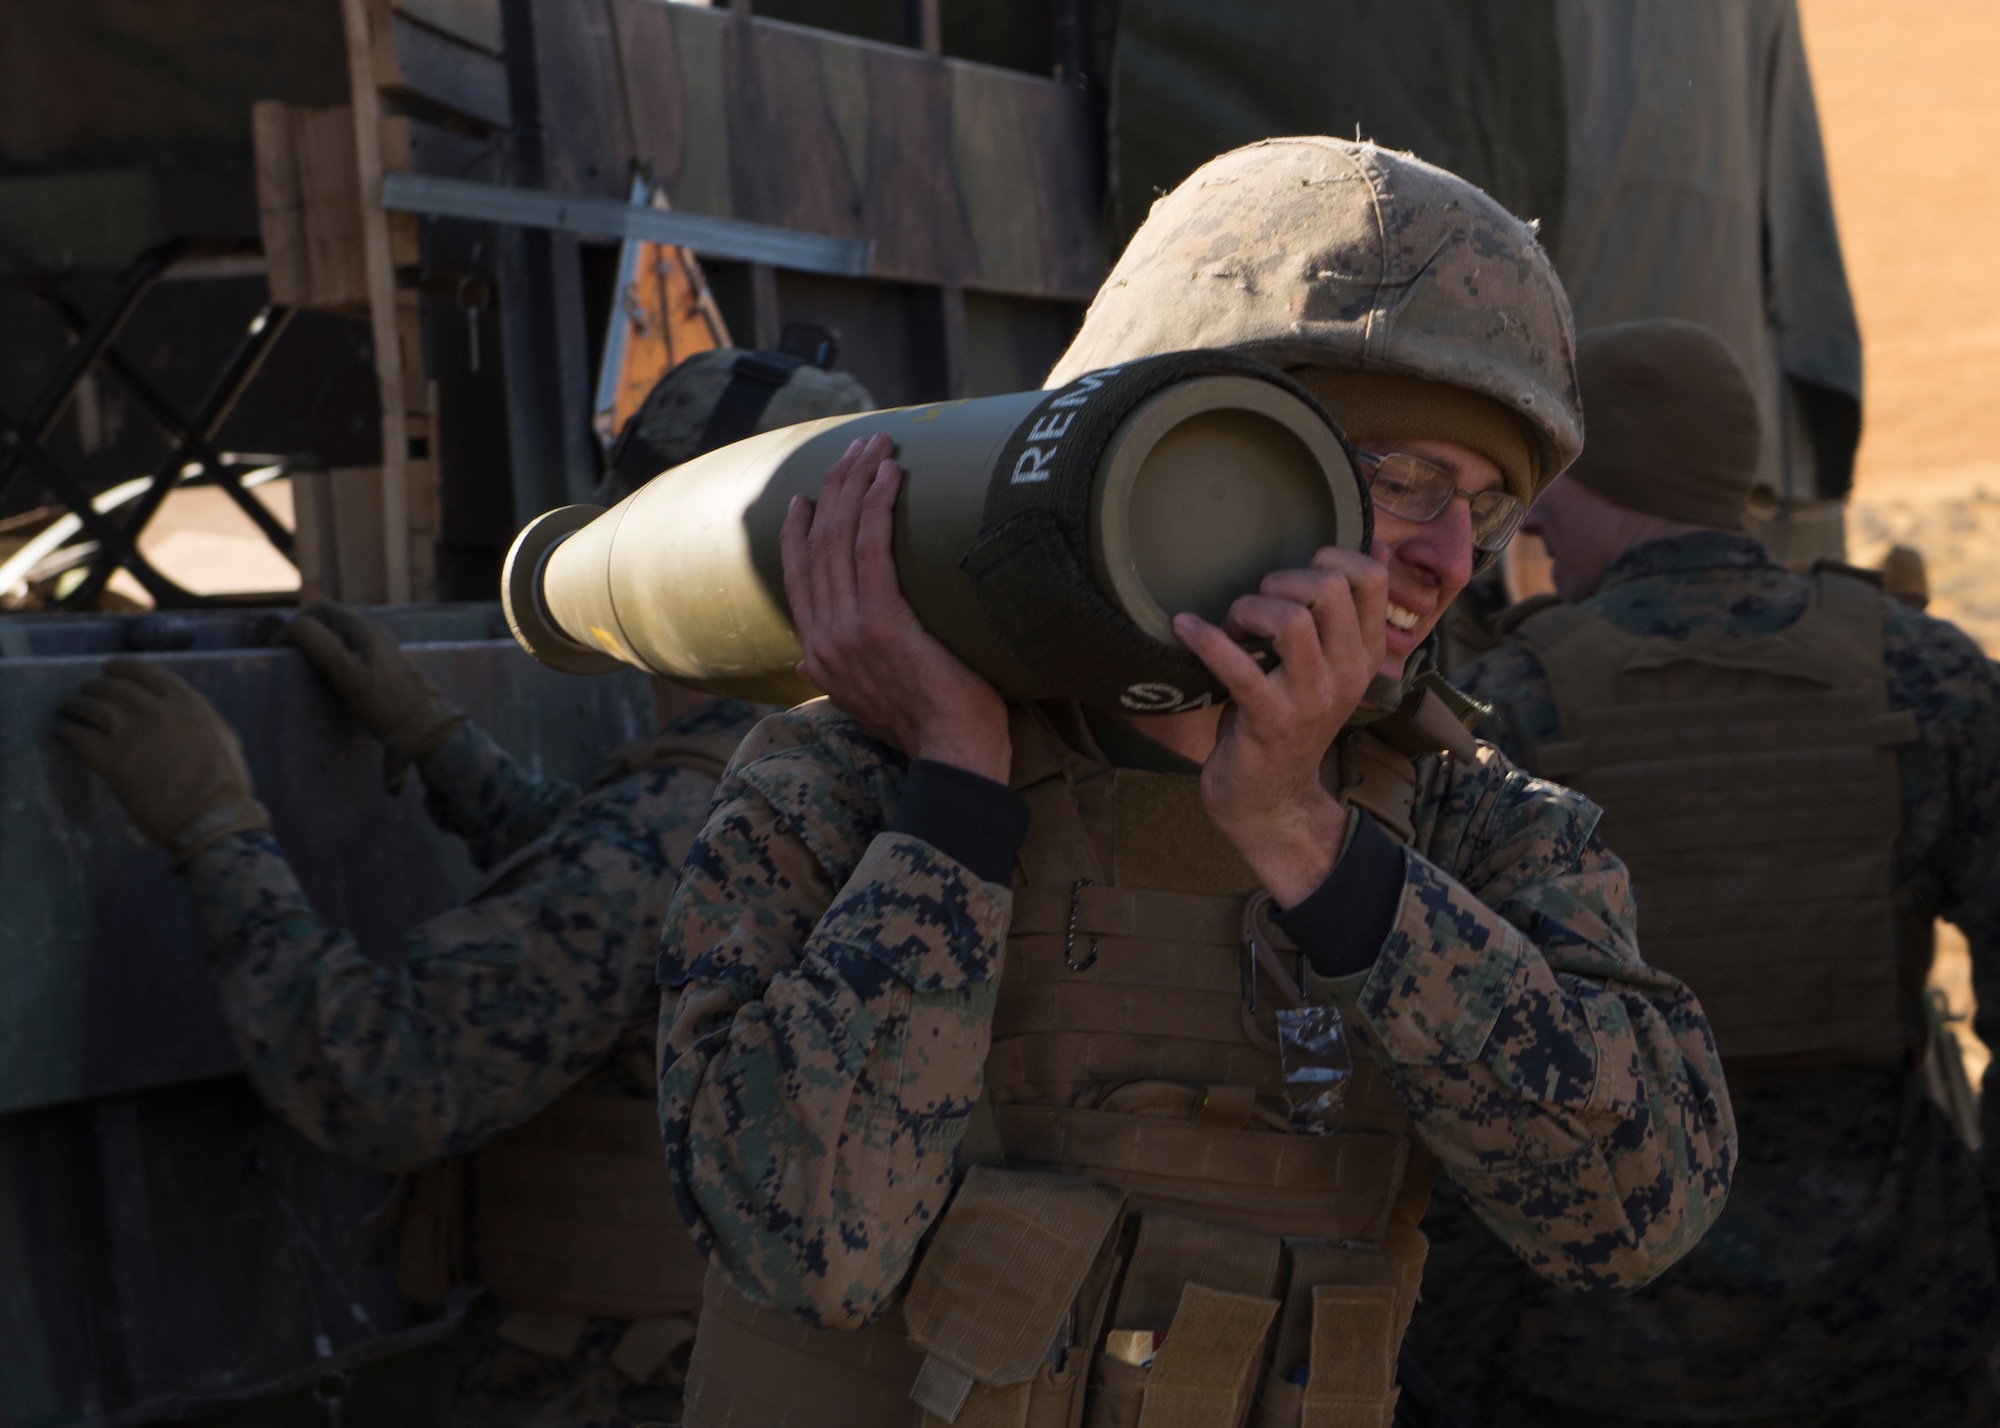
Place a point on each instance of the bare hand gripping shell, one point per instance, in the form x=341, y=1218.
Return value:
x=1047, y=538
x=1325, y=254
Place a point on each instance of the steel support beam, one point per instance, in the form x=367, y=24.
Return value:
x=609, y=218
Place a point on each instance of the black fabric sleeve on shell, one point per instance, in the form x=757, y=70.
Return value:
x=964, y=816
x=1343, y=923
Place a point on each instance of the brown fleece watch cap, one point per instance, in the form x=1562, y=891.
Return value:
x=1674, y=430
x=1408, y=301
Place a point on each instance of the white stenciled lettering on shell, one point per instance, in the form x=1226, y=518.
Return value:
x=1151, y=696
x=1033, y=464
x=1052, y=427
x=1082, y=388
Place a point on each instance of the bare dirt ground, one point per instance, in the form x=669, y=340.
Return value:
x=1910, y=111
x=1911, y=117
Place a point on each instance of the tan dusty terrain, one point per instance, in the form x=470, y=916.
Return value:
x=1910, y=110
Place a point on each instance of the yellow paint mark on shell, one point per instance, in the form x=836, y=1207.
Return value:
x=611, y=644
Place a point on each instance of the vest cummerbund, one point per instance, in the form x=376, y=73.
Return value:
x=574, y=1213
x=1129, y=1079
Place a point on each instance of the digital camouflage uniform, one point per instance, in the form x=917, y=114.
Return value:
x=1854, y=1261
x=831, y=988
x=541, y=985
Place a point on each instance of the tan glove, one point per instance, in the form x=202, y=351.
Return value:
x=396, y=704
x=168, y=756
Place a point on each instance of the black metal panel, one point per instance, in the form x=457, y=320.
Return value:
x=177, y=1248
x=107, y=992
x=170, y=1247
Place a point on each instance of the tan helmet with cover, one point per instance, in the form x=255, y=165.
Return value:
x=1396, y=292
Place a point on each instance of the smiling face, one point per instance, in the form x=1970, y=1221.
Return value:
x=1428, y=564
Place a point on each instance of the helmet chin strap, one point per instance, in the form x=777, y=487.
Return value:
x=1385, y=695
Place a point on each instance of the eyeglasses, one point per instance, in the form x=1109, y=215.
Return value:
x=1420, y=490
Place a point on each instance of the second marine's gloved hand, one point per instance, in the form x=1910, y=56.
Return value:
x=377, y=681
x=168, y=756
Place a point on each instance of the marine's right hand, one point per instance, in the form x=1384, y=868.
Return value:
x=376, y=680
x=863, y=644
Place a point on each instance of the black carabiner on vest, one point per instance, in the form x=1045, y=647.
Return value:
x=1257, y=952
x=1069, y=940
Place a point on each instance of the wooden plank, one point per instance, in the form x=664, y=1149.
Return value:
x=787, y=163
x=1066, y=173
x=360, y=23
x=585, y=120
x=416, y=393
x=309, y=206
x=913, y=203
x=411, y=145
x=330, y=187
x=989, y=156
x=963, y=174
x=339, y=519
x=654, y=88
x=549, y=383
x=414, y=62
x=700, y=176
x=423, y=67
x=471, y=22
x=281, y=218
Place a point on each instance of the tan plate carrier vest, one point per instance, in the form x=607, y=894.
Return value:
x=1750, y=786
x=573, y=1213
x=1132, y=1070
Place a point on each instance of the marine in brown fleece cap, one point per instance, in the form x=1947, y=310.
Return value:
x=1800, y=775
x=1672, y=448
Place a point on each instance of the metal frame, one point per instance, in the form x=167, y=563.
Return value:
x=609, y=218
x=188, y=438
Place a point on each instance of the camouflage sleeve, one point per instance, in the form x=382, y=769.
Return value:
x=827, y=1007
x=1570, y=1090
x=495, y=1008
x=477, y=790
x=1949, y=841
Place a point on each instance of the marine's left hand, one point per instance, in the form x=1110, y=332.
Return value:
x=173, y=762
x=1261, y=786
